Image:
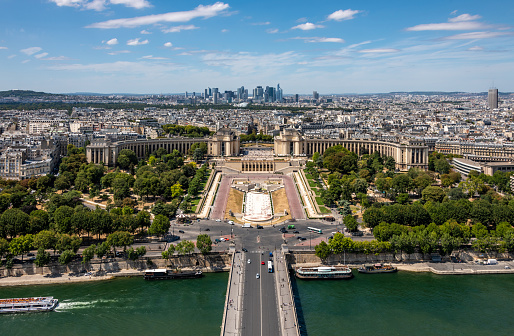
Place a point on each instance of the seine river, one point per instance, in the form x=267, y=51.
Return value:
x=380, y=304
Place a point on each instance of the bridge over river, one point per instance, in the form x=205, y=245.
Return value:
x=263, y=305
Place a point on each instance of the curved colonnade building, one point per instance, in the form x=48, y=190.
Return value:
x=225, y=143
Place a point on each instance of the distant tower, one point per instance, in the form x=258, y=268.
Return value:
x=315, y=95
x=279, y=93
x=492, y=98
x=215, y=95
x=296, y=98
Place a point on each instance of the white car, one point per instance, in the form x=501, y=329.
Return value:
x=257, y=276
x=218, y=220
x=249, y=261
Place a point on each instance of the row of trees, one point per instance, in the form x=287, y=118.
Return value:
x=187, y=131
x=203, y=243
x=462, y=210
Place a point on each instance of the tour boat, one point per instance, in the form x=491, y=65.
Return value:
x=165, y=274
x=28, y=305
x=377, y=268
x=324, y=272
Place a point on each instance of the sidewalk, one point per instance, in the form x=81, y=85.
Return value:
x=286, y=306
x=234, y=301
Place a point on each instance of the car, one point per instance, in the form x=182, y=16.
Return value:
x=231, y=222
x=249, y=261
x=218, y=220
x=217, y=241
x=181, y=231
x=263, y=263
x=244, y=249
x=299, y=238
x=257, y=276
x=357, y=233
x=30, y=254
x=296, y=231
x=207, y=229
x=303, y=238
x=260, y=227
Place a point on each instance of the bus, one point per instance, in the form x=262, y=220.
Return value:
x=270, y=267
x=313, y=229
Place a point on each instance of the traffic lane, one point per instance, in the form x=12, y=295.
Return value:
x=270, y=323
x=252, y=298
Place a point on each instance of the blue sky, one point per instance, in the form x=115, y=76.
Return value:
x=165, y=46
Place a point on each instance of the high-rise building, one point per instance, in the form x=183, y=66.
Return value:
x=492, y=98
x=258, y=93
x=315, y=95
x=214, y=95
x=206, y=94
x=296, y=98
x=279, y=94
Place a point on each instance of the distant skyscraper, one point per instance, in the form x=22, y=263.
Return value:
x=315, y=95
x=492, y=98
x=279, y=93
x=206, y=94
x=258, y=93
x=296, y=98
x=214, y=95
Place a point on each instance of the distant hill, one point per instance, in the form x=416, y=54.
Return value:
x=26, y=94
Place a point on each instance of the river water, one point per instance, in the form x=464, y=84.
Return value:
x=373, y=304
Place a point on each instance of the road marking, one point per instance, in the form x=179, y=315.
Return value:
x=260, y=287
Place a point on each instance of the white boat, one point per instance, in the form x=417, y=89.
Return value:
x=28, y=305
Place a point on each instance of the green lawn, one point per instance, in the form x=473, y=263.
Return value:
x=309, y=176
x=324, y=210
x=312, y=184
x=195, y=201
x=193, y=209
x=319, y=200
x=317, y=191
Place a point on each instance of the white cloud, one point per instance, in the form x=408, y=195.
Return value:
x=465, y=17
x=136, y=42
x=113, y=41
x=58, y=58
x=168, y=44
x=132, y=3
x=261, y=23
x=185, y=16
x=68, y=3
x=379, y=50
x=3, y=48
x=320, y=39
x=145, y=32
x=25, y=61
x=31, y=50
x=272, y=31
x=97, y=5
x=151, y=57
x=100, y=5
x=308, y=26
x=341, y=15
x=461, y=22
x=178, y=29
x=247, y=63
x=123, y=67
x=476, y=48
x=38, y=56
x=11, y=56
x=119, y=52
x=224, y=30
x=478, y=35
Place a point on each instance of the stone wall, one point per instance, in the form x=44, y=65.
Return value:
x=213, y=262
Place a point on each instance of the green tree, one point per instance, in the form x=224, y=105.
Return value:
x=176, y=190
x=204, y=243
x=339, y=244
x=21, y=245
x=46, y=240
x=434, y=194
x=160, y=225
x=322, y=251
x=119, y=239
x=66, y=257
x=351, y=223
x=372, y=217
x=14, y=222
x=42, y=257
x=88, y=254
x=442, y=166
x=185, y=247
x=167, y=254
x=125, y=158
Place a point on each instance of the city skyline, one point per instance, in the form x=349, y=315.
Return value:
x=151, y=46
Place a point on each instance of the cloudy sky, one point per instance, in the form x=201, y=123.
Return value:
x=170, y=46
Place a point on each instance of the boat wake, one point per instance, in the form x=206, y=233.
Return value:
x=70, y=305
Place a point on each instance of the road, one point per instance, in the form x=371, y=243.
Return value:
x=260, y=315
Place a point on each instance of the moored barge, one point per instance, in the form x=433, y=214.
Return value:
x=377, y=268
x=165, y=274
x=324, y=272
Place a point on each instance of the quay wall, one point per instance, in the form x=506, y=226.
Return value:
x=212, y=262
